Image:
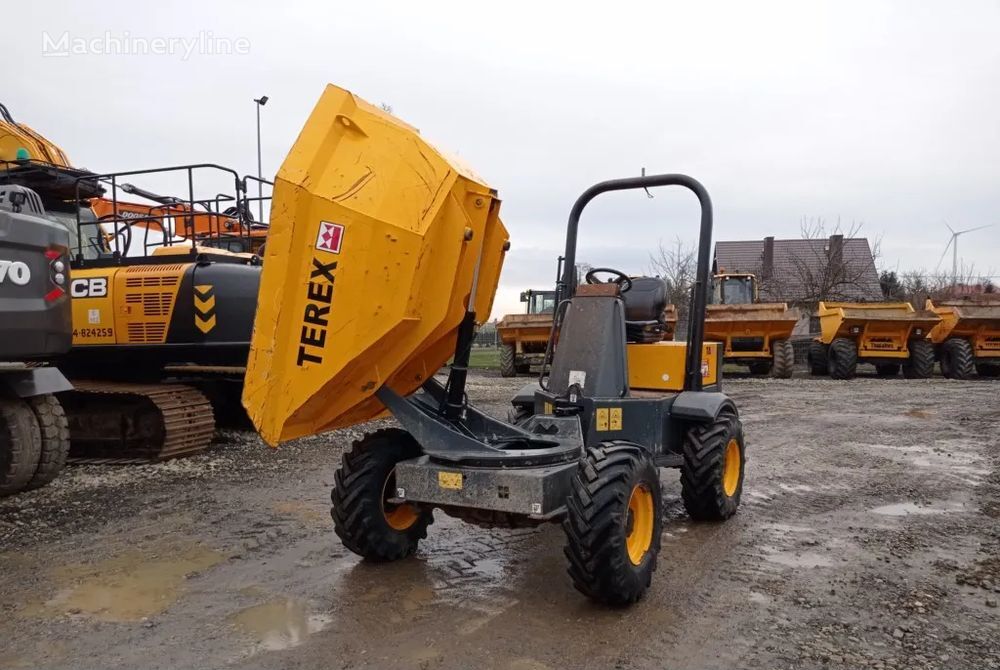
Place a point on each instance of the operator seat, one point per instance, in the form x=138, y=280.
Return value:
x=645, y=303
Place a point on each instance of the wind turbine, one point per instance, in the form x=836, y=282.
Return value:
x=953, y=243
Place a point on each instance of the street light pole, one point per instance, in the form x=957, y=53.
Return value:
x=261, y=101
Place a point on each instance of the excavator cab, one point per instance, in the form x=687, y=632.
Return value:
x=538, y=302
x=734, y=289
x=383, y=255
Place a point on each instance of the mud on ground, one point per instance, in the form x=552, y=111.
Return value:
x=869, y=537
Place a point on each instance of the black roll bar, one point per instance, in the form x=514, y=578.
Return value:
x=699, y=293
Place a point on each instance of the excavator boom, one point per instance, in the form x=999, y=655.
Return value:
x=378, y=244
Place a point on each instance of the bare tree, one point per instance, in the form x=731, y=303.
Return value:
x=676, y=264
x=918, y=285
x=820, y=270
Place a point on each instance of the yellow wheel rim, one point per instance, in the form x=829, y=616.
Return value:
x=639, y=523
x=399, y=517
x=731, y=466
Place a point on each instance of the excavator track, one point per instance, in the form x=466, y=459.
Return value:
x=123, y=423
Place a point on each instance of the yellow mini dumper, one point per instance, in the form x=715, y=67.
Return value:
x=890, y=336
x=968, y=337
x=382, y=256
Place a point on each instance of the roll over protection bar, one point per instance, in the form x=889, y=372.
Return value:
x=566, y=287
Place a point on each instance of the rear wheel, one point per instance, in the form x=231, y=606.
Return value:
x=613, y=523
x=760, y=368
x=920, y=364
x=20, y=445
x=784, y=359
x=887, y=369
x=507, y=358
x=988, y=369
x=956, y=359
x=818, y=363
x=363, y=518
x=712, y=473
x=54, y=432
x=843, y=358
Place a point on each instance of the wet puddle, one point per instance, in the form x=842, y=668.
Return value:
x=909, y=508
x=280, y=624
x=129, y=587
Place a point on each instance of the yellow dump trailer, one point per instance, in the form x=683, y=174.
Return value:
x=887, y=335
x=523, y=339
x=377, y=244
x=968, y=337
x=755, y=335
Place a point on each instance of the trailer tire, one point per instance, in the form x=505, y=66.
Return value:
x=362, y=518
x=760, y=367
x=920, y=364
x=54, y=431
x=887, y=369
x=818, y=359
x=988, y=369
x=713, y=468
x=508, y=367
x=843, y=358
x=613, y=523
x=956, y=359
x=784, y=359
x=20, y=445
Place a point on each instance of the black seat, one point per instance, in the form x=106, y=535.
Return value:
x=645, y=303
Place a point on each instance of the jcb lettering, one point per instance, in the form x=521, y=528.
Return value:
x=15, y=272
x=93, y=287
x=319, y=293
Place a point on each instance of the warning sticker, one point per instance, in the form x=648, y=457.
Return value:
x=450, y=480
x=330, y=237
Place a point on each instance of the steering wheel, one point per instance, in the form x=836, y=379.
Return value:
x=620, y=278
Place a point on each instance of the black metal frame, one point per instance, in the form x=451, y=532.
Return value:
x=699, y=292
x=186, y=210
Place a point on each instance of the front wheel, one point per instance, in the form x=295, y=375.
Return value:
x=957, y=361
x=920, y=364
x=363, y=518
x=843, y=358
x=713, y=468
x=818, y=363
x=20, y=445
x=508, y=367
x=613, y=523
x=784, y=359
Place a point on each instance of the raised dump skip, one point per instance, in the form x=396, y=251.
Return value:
x=370, y=262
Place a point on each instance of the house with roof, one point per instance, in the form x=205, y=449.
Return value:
x=802, y=272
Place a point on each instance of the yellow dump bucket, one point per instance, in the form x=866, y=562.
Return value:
x=748, y=331
x=975, y=318
x=376, y=242
x=881, y=329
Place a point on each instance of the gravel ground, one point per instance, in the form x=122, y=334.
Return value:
x=869, y=537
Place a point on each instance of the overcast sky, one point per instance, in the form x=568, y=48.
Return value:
x=882, y=113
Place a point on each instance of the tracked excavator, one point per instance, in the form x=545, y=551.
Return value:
x=382, y=257
x=163, y=296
